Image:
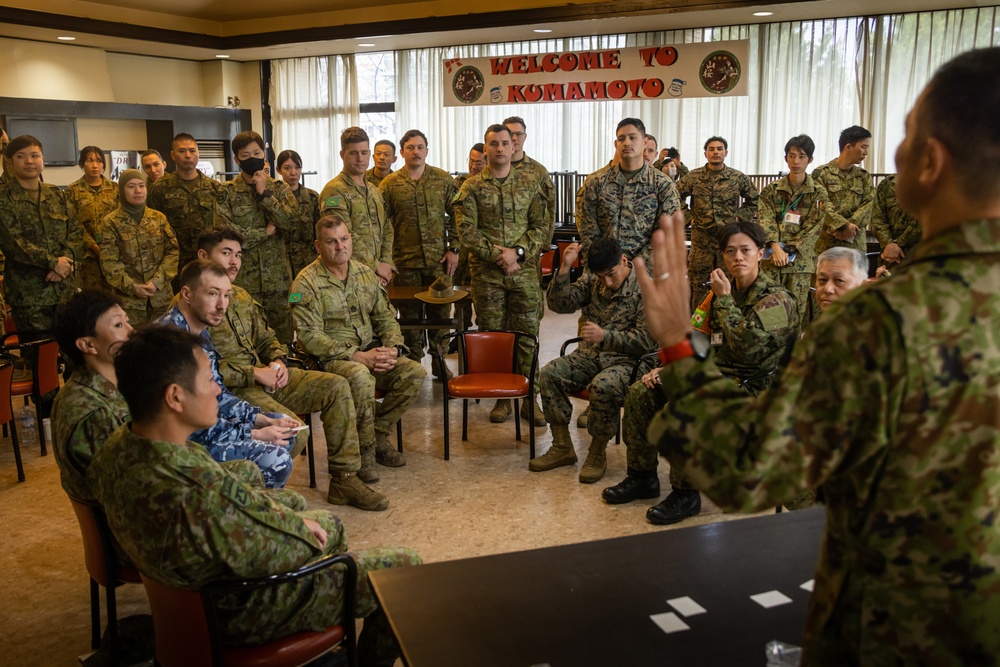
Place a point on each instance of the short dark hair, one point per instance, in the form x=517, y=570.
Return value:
x=960, y=104
x=413, y=133
x=751, y=229
x=673, y=153
x=639, y=125
x=479, y=148
x=353, y=135
x=191, y=273
x=649, y=136
x=245, y=138
x=148, y=152
x=514, y=119
x=331, y=219
x=385, y=142
x=87, y=151
x=19, y=143
x=77, y=317
x=604, y=253
x=182, y=136
x=853, y=135
x=152, y=359
x=285, y=156
x=216, y=234
x=725, y=144
x=494, y=129
x=803, y=142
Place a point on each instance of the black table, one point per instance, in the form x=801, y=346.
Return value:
x=590, y=604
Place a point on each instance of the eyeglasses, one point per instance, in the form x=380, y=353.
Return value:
x=517, y=135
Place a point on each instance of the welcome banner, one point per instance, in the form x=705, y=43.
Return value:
x=709, y=69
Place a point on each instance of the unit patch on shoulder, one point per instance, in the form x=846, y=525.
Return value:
x=295, y=297
x=772, y=313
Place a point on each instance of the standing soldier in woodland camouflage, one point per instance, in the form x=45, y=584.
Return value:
x=719, y=195
x=616, y=336
x=888, y=407
x=519, y=160
x=138, y=252
x=91, y=198
x=299, y=240
x=361, y=204
x=418, y=200
x=384, y=156
x=463, y=275
x=792, y=211
x=186, y=196
x=186, y=523
x=850, y=190
x=625, y=201
x=503, y=220
x=263, y=210
x=40, y=240
x=896, y=230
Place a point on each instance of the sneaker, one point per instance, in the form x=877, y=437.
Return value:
x=501, y=410
x=347, y=489
x=539, y=415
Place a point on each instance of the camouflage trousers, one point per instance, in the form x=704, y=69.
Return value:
x=704, y=257
x=463, y=276
x=377, y=418
x=827, y=241
x=641, y=405
x=145, y=314
x=279, y=317
x=300, y=255
x=33, y=318
x=582, y=369
x=419, y=341
x=248, y=473
x=312, y=391
x=512, y=306
x=799, y=285
x=274, y=461
x=318, y=602
x=88, y=273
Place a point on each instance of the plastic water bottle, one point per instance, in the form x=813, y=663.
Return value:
x=27, y=426
x=782, y=654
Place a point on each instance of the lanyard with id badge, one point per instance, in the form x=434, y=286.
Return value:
x=790, y=213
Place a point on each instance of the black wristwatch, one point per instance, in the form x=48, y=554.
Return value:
x=520, y=253
x=454, y=250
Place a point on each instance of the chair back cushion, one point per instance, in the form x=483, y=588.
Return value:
x=93, y=549
x=6, y=411
x=489, y=351
x=180, y=626
x=47, y=367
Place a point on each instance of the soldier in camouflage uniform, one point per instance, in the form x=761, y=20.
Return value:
x=716, y=192
x=384, y=155
x=299, y=240
x=503, y=221
x=243, y=431
x=343, y=316
x=519, y=160
x=138, y=252
x=752, y=323
x=186, y=196
x=625, y=201
x=264, y=211
x=361, y=204
x=418, y=201
x=463, y=275
x=671, y=156
x=792, y=211
x=888, y=407
x=186, y=524
x=252, y=362
x=39, y=239
x=91, y=198
x=850, y=190
x=614, y=337
x=896, y=230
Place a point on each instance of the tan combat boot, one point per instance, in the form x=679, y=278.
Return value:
x=347, y=489
x=386, y=454
x=368, y=472
x=561, y=453
x=501, y=410
x=597, y=462
x=539, y=414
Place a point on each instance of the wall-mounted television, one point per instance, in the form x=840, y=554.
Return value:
x=58, y=137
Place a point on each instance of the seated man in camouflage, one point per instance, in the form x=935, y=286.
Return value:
x=752, y=324
x=343, y=316
x=186, y=524
x=614, y=337
x=253, y=367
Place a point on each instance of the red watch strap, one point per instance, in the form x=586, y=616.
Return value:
x=677, y=351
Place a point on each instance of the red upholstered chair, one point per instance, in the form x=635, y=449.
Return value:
x=188, y=634
x=7, y=413
x=488, y=362
x=101, y=559
x=44, y=380
x=10, y=331
x=548, y=260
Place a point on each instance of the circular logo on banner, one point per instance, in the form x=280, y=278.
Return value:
x=468, y=84
x=720, y=72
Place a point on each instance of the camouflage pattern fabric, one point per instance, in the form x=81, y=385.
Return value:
x=901, y=442
x=463, y=275
x=717, y=198
x=299, y=240
x=851, y=195
x=682, y=170
x=189, y=207
x=420, y=214
x=88, y=205
x=244, y=342
x=35, y=230
x=373, y=178
x=628, y=209
x=334, y=320
x=890, y=223
x=535, y=170
x=809, y=201
x=641, y=406
x=266, y=272
x=186, y=523
x=364, y=209
x=136, y=253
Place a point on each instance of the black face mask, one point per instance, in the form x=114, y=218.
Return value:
x=252, y=165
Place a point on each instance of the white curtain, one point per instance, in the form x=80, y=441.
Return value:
x=312, y=101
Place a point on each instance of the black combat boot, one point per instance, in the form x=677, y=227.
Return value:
x=679, y=505
x=637, y=485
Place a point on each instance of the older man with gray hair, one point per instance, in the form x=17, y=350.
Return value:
x=838, y=271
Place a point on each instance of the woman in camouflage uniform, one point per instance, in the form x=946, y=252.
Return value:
x=91, y=198
x=301, y=250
